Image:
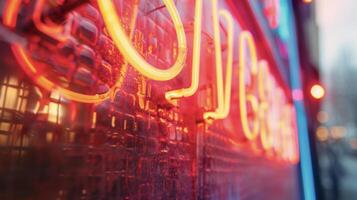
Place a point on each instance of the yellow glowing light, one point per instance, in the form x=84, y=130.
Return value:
x=264, y=88
x=94, y=119
x=113, y=121
x=338, y=132
x=11, y=98
x=4, y=126
x=279, y=138
x=10, y=17
x=55, y=113
x=223, y=93
x=125, y=46
x=263, y=84
x=265, y=134
x=322, y=134
x=12, y=6
x=317, y=91
x=246, y=41
x=49, y=137
x=191, y=90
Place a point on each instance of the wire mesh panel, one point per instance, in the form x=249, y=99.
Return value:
x=77, y=121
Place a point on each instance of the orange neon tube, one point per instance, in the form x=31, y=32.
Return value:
x=246, y=41
x=10, y=19
x=264, y=88
x=10, y=12
x=133, y=57
x=265, y=134
x=223, y=93
x=191, y=90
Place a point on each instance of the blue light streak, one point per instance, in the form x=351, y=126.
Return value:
x=304, y=142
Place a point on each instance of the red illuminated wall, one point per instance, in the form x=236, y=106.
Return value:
x=133, y=144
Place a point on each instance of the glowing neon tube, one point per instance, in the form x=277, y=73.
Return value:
x=10, y=19
x=191, y=90
x=125, y=46
x=247, y=39
x=264, y=88
x=223, y=93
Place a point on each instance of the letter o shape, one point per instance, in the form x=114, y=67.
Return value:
x=10, y=19
x=132, y=56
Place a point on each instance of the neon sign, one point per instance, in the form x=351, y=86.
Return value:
x=132, y=55
x=10, y=19
x=223, y=92
x=258, y=71
x=256, y=103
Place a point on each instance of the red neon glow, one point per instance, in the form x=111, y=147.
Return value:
x=133, y=143
x=271, y=11
x=255, y=101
